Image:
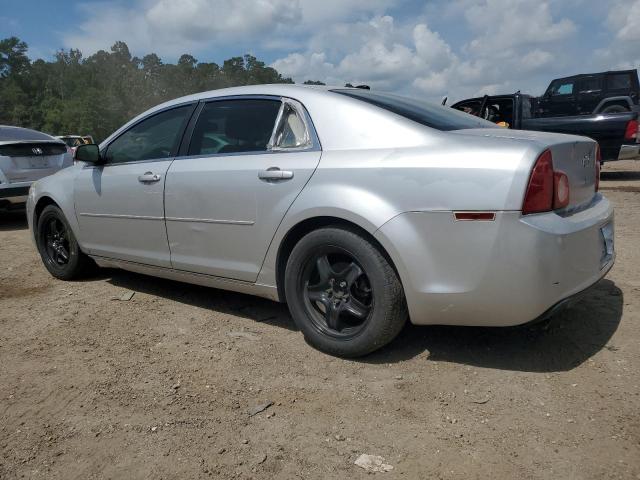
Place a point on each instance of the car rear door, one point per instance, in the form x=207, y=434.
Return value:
x=119, y=205
x=589, y=94
x=226, y=197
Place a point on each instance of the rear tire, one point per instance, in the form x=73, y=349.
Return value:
x=58, y=246
x=343, y=293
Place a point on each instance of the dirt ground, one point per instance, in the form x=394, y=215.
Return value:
x=161, y=385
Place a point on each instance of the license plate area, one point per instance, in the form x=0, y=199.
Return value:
x=35, y=162
x=606, y=235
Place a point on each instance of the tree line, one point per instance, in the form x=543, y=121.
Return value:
x=97, y=94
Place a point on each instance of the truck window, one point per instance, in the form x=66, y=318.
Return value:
x=590, y=84
x=619, y=81
x=499, y=111
x=471, y=107
x=562, y=88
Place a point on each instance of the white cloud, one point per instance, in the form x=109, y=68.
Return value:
x=625, y=20
x=171, y=27
x=448, y=47
x=413, y=57
x=624, y=23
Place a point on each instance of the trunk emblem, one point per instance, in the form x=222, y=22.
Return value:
x=586, y=160
x=37, y=151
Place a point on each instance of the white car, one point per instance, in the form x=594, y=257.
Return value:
x=25, y=156
x=359, y=209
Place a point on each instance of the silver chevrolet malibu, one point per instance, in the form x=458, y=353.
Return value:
x=358, y=209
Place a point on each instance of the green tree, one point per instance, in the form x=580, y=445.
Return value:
x=95, y=95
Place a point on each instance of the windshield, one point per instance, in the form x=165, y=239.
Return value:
x=425, y=113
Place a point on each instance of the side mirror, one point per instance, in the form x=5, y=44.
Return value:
x=88, y=153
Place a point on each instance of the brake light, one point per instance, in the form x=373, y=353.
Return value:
x=539, y=196
x=547, y=190
x=598, y=162
x=631, y=133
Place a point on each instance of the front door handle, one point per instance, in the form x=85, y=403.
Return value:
x=148, y=177
x=274, y=173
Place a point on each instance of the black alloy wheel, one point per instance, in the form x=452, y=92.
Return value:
x=343, y=292
x=339, y=297
x=58, y=246
x=56, y=240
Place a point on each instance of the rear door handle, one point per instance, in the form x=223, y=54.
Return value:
x=274, y=173
x=148, y=177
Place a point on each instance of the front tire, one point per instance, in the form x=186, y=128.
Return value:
x=343, y=293
x=58, y=246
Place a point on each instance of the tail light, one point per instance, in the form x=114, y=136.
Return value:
x=631, y=133
x=547, y=190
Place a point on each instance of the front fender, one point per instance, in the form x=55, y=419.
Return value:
x=59, y=188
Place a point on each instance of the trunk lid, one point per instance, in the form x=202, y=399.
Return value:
x=29, y=161
x=573, y=155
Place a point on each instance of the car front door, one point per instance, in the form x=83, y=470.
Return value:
x=119, y=205
x=560, y=99
x=226, y=197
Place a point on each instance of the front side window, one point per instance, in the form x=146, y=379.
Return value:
x=234, y=126
x=155, y=137
x=562, y=88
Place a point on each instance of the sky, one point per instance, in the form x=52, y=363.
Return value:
x=427, y=49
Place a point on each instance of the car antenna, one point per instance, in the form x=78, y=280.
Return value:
x=364, y=87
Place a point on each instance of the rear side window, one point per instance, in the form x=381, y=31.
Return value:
x=234, y=126
x=619, y=81
x=428, y=114
x=291, y=132
x=591, y=84
x=154, y=137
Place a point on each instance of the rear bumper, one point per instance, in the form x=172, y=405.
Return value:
x=12, y=193
x=500, y=273
x=629, y=152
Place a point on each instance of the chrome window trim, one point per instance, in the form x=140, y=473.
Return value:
x=302, y=113
x=300, y=109
x=193, y=103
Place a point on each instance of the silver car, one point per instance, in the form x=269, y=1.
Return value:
x=25, y=156
x=359, y=209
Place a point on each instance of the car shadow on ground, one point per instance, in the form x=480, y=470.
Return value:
x=561, y=344
x=13, y=221
x=566, y=341
x=222, y=301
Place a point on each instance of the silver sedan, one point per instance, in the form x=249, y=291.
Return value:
x=358, y=209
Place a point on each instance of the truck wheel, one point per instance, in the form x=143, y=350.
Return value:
x=615, y=109
x=343, y=294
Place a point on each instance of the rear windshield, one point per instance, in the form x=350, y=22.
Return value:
x=21, y=134
x=425, y=113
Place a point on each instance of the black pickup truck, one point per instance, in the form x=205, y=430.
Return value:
x=618, y=134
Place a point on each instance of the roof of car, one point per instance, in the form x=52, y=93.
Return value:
x=322, y=105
